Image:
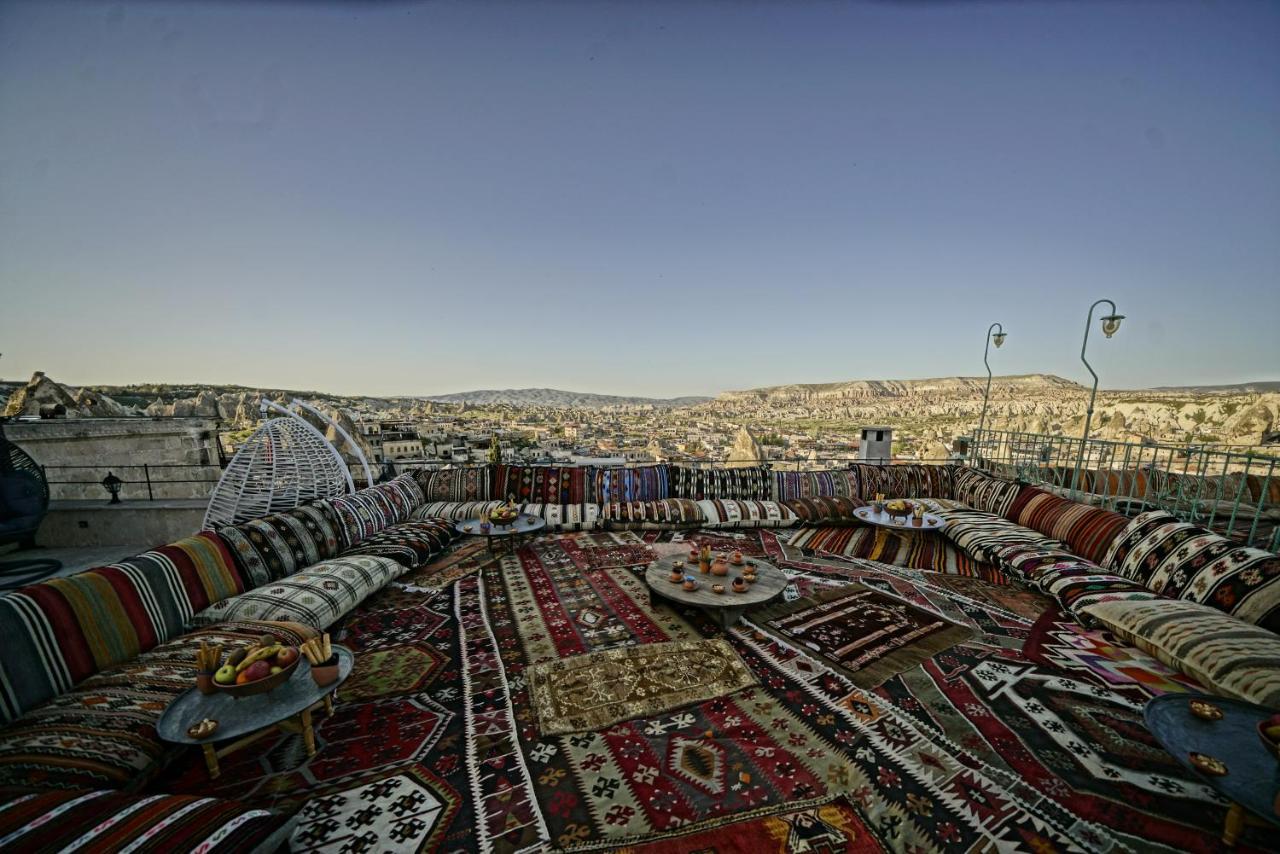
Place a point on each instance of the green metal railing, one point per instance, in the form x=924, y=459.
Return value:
x=1232, y=490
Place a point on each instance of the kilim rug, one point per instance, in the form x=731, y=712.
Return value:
x=863, y=634
x=1027, y=604
x=591, y=691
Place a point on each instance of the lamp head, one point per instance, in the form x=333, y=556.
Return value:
x=1111, y=323
x=997, y=338
x=112, y=484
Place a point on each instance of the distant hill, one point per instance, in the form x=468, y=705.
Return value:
x=1238, y=388
x=557, y=399
x=872, y=389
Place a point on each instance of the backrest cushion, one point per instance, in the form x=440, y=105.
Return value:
x=280, y=544
x=730, y=513
x=470, y=483
x=831, y=483
x=753, y=483
x=1226, y=655
x=1087, y=531
x=911, y=480
x=1185, y=561
x=984, y=492
x=57, y=632
x=403, y=494
x=541, y=484
x=363, y=514
x=643, y=483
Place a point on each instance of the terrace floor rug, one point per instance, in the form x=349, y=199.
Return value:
x=592, y=691
x=864, y=634
x=1027, y=604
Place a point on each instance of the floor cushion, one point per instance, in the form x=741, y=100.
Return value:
x=101, y=734
x=316, y=596
x=469, y=483
x=649, y=515
x=113, y=821
x=825, y=510
x=280, y=544
x=982, y=535
x=456, y=511
x=1184, y=561
x=1073, y=581
x=751, y=483
x=983, y=491
x=411, y=543
x=1227, y=655
x=641, y=483
x=541, y=484
x=363, y=514
x=903, y=481
x=566, y=517
x=57, y=632
x=896, y=548
x=829, y=483
x=1087, y=531
x=728, y=513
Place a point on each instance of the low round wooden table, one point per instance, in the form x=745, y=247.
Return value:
x=1252, y=781
x=928, y=522
x=725, y=608
x=246, y=719
x=524, y=524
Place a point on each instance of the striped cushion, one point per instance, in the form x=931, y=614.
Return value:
x=1088, y=531
x=754, y=483
x=799, y=485
x=982, y=535
x=471, y=483
x=541, y=484
x=666, y=513
x=455, y=511
x=896, y=549
x=982, y=491
x=745, y=514
x=1185, y=561
x=403, y=494
x=410, y=544
x=1073, y=581
x=278, y=545
x=113, y=821
x=902, y=481
x=316, y=596
x=362, y=514
x=566, y=517
x=58, y=632
x=102, y=732
x=1227, y=655
x=820, y=510
x=643, y=483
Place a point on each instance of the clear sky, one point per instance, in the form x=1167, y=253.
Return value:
x=635, y=198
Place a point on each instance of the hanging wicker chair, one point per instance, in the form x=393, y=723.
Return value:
x=285, y=463
x=24, y=501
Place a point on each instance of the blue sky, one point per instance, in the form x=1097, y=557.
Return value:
x=664, y=198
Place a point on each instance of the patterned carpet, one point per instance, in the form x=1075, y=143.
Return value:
x=435, y=744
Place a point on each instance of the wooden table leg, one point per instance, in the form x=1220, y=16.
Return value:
x=1234, y=825
x=328, y=705
x=211, y=760
x=308, y=734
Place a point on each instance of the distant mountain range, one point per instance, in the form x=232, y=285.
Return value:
x=557, y=399
x=1239, y=388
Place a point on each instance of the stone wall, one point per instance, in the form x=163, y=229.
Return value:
x=178, y=455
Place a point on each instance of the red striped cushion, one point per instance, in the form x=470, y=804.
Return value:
x=1088, y=531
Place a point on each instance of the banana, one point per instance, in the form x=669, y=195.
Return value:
x=257, y=655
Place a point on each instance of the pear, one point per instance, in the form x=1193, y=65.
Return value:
x=226, y=675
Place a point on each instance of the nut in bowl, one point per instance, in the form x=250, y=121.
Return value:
x=1205, y=710
x=1211, y=765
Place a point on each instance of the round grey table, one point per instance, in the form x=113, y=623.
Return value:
x=725, y=608
x=246, y=719
x=524, y=524
x=928, y=522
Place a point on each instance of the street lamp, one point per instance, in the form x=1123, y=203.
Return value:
x=998, y=339
x=112, y=484
x=1110, y=325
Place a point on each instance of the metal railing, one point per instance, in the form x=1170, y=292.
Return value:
x=138, y=481
x=1232, y=490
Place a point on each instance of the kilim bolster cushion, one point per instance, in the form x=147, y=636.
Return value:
x=280, y=544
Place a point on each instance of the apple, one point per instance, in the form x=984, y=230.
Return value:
x=257, y=670
x=287, y=656
x=1272, y=732
x=1274, y=720
x=226, y=675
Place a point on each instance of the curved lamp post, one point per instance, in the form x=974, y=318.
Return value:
x=1110, y=324
x=997, y=338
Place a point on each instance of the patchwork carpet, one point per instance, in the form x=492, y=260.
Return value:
x=863, y=634
x=591, y=691
x=435, y=744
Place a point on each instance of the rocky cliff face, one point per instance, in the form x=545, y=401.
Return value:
x=43, y=392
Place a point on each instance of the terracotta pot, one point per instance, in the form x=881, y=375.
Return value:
x=204, y=682
x=676, y=576
x=704, y=566
x=736, y=560
x=325, y=674
x=690, y=584
x=720, y=567
x=739, y=586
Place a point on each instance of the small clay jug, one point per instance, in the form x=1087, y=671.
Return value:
x=690, y=585
x=720, y=567
x=739, y=585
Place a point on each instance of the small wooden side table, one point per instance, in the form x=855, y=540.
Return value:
x=245, y=719
x=725, y=608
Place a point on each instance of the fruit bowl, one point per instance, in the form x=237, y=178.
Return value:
x=898, y=507
x=263, y=685
x=504, y=515
x=1273, y=747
